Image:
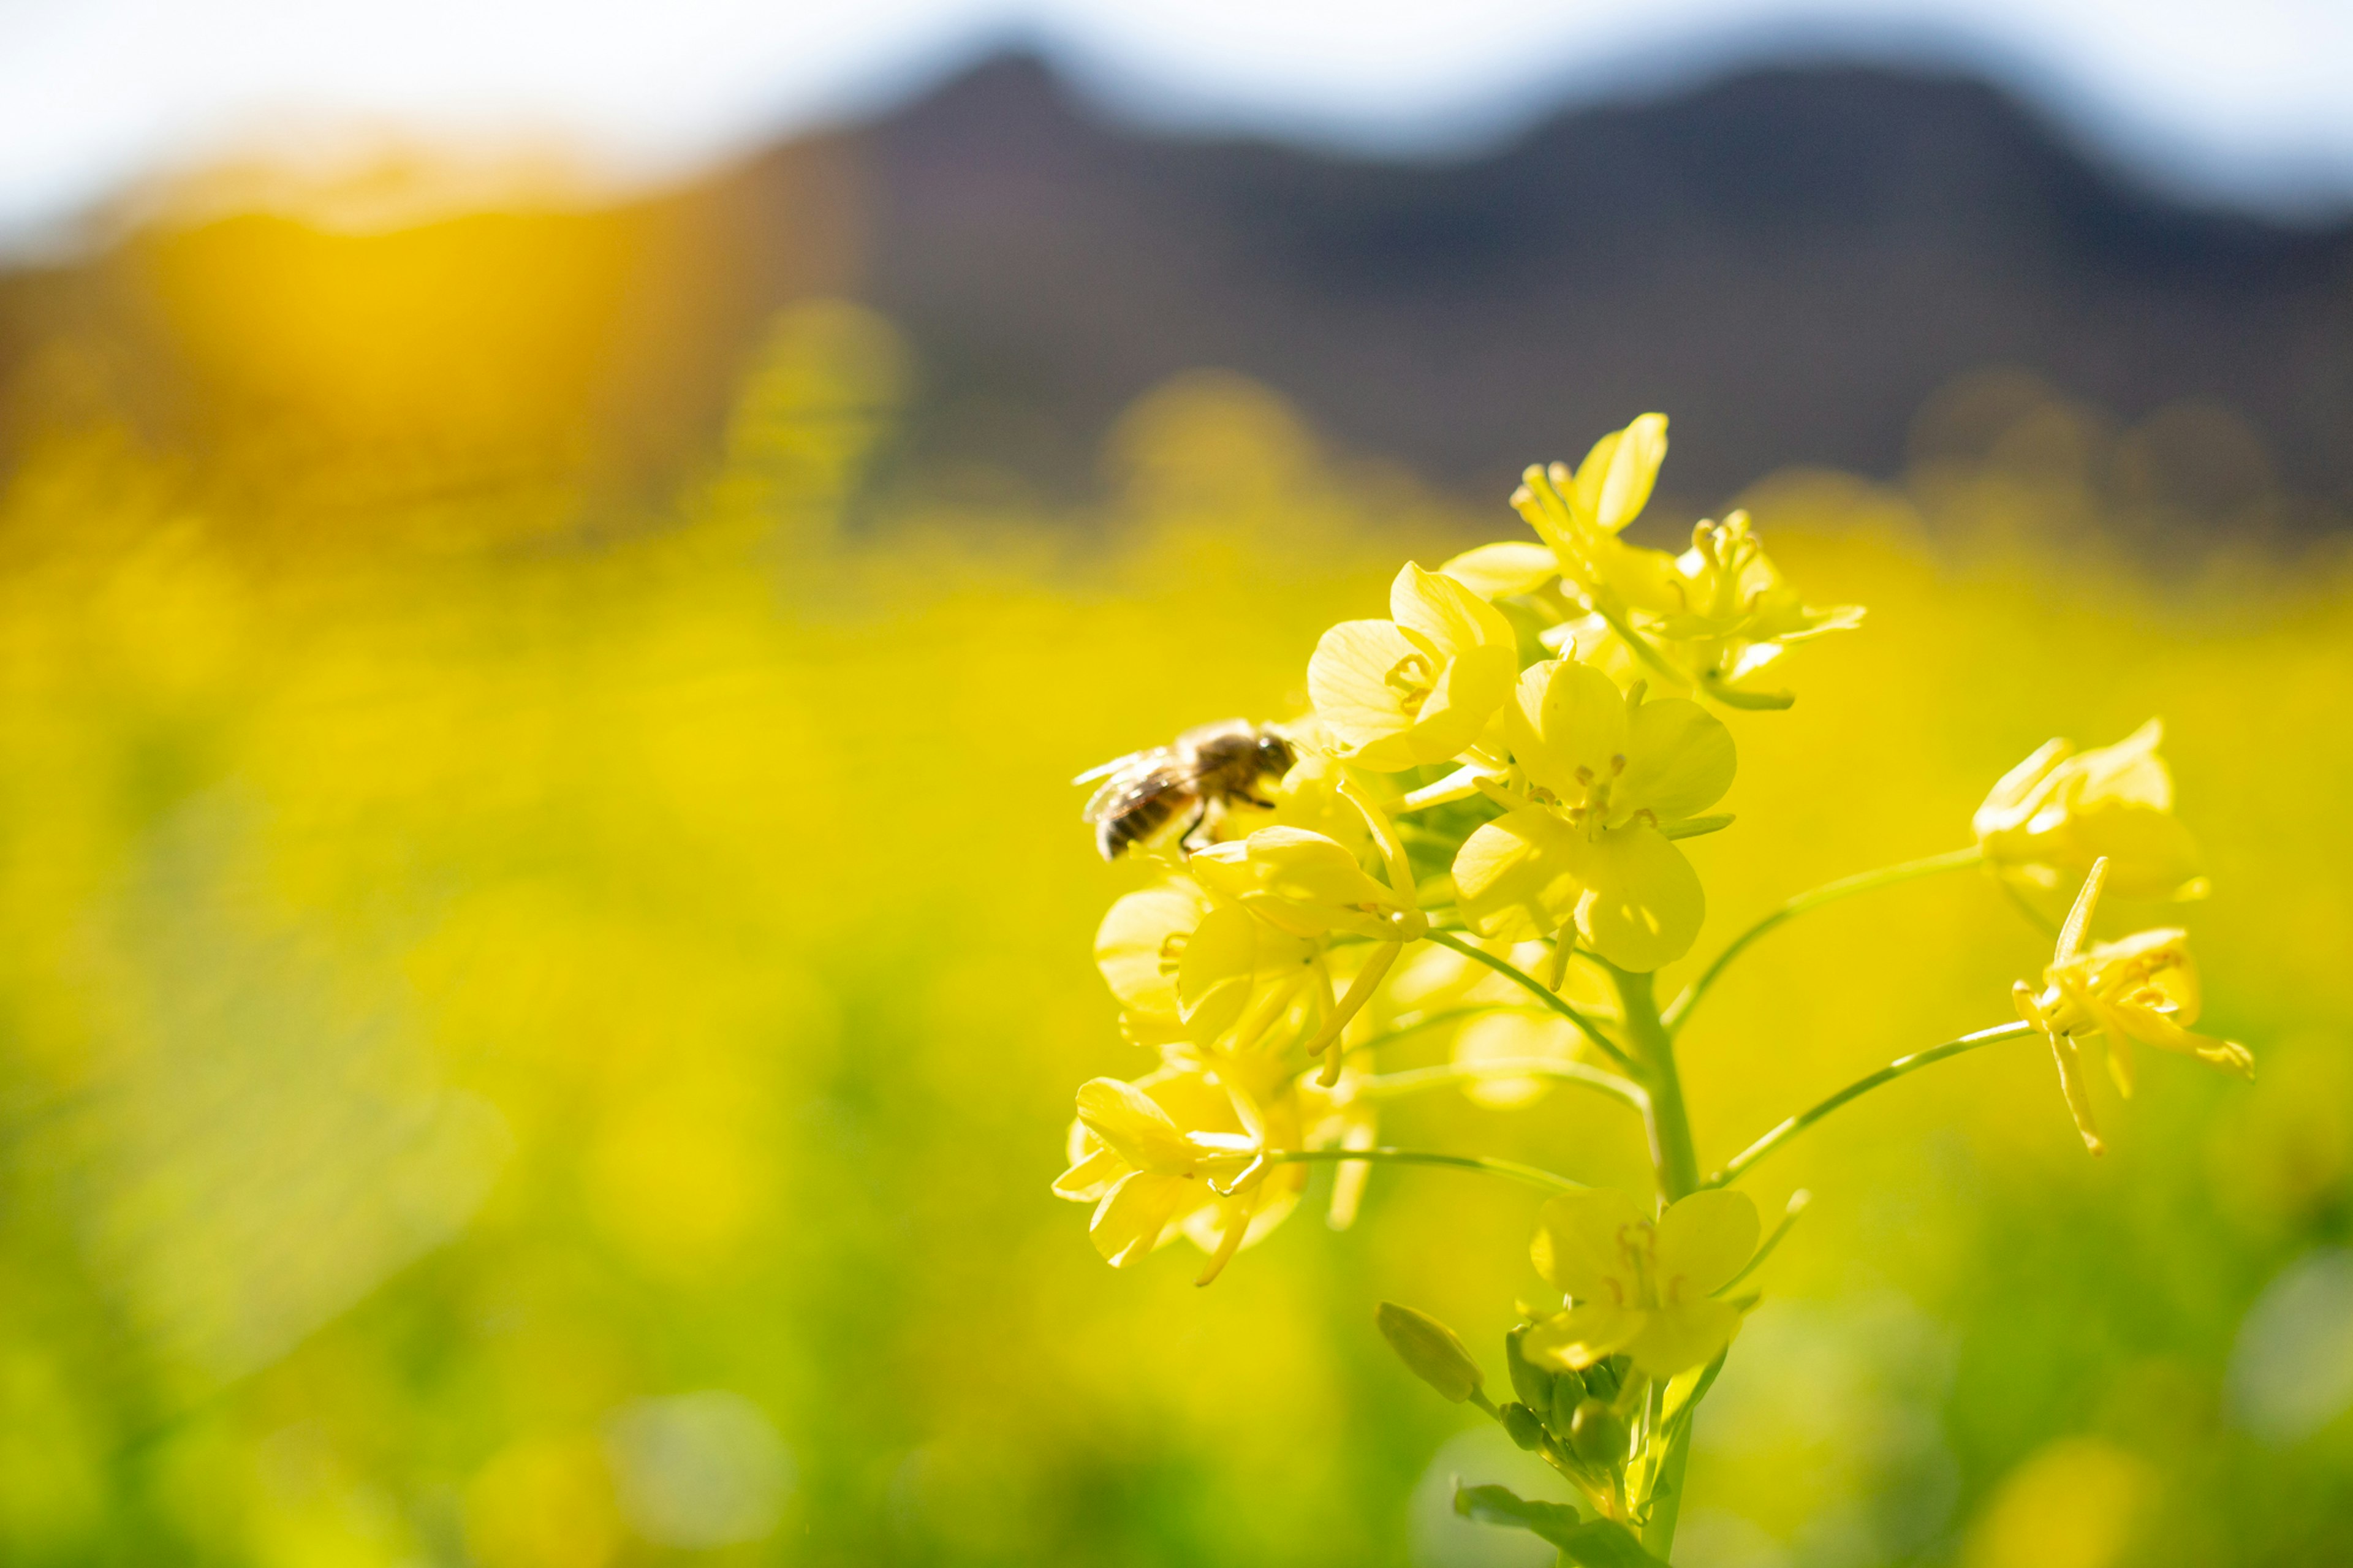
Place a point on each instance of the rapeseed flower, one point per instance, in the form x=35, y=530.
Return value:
x=1186, y=965
x=2143, y=989
x=1709, y=619
x=1639, y=1287
x=1418, y=686
x=1145, y=1154
x=1737, y=613
x=2050, y=818
x=1607, y=782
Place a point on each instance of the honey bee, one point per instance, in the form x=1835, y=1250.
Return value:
x=1213, y=766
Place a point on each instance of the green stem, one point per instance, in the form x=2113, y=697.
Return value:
x=1667, y=1493
x=1392, y=1085
x=1510, y=1170
x=1537, y=989
x=1829, y=893
x=1671, y=1153
x=1797, y=1205
x=1739, y=1163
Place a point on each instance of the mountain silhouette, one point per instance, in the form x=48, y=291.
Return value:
x=1790, y=262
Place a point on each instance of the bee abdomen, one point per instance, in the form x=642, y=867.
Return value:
x=1139, y=822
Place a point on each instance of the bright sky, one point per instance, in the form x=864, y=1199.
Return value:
x=2246, y=99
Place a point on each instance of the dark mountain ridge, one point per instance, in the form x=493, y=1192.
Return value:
x=1789, y=261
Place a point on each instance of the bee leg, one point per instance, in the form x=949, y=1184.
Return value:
x=1200, y=816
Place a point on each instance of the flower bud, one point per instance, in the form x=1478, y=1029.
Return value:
x=1601, y=1381
x=1430, y=1351
x=1529, y=1381
x=1568, y=1393
x=1596, y=1436
x=1525, y=1430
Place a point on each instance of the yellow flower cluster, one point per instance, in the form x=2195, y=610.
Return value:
x=1547, y=718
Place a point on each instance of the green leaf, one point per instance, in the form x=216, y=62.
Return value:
x=1588, y=1544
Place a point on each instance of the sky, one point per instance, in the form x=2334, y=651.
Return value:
x=2243, y=102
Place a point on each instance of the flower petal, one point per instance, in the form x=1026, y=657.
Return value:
x=1513, y=566
x=1446, y=612
x=1584, y=1334
x=1348, y=681
x=1091, y=1177
x=1134, y=1216
x=1138, y=939
x=1583, y=1241
x=1705, y=1239
x=1519, y=877
x=1679, y=761
x=1132, y=1122
x=1567, y=719
x=1469, y=691
x=1643, y=904
x=1688, y=1335
x=1613, y=483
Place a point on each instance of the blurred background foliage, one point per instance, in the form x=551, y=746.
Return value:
x=538, y=1037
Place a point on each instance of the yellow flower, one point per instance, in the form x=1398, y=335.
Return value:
x=1186, y=965
x=2054, y=814
x=1637, y=1287
x=1144, y=1154
x=1714, y=615
x=2143, y=989
x=1608, y=780
x=1580, y=513
x=1736, y=611
x=1420, y=687
x=1304, y=885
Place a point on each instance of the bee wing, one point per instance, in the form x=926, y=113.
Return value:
x=1139, y=777
x=1105, y=770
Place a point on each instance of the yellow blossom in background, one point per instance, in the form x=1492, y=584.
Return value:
x=2142, y=989
x=1610, y=779
x=1642, y=1287
x=2049, y=818
x=1420, y=687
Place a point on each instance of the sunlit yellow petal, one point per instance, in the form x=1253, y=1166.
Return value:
x=1566, y=727
x=1679, y=761
x=1446, y=611
x=1135, y=1216
x=1091, y=1177
x=1518, y=876
x=1495, y=571
x=1643, y=904
x=1135, y=1126
x=1354, y=680
x=1613, y=483
x=1137, y=945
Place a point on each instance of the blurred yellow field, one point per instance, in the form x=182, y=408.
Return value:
x=551, y=1042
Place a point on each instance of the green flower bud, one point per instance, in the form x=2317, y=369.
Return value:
x=1601, y=1381
x=1430, y=1351
x=1595, y=1435
x=1529, y=1381
x=1568, y=1393
x=1525, y=1430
